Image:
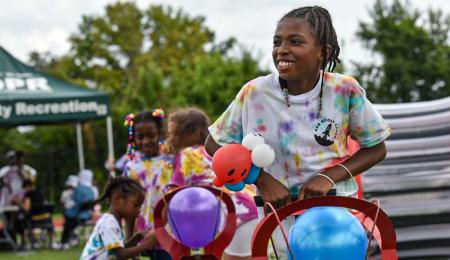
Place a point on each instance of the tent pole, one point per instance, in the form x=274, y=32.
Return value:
x=109, y=129
x=80, y=146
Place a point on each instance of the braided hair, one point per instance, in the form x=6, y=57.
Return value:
x=121, y=184
x=155, y=116
x=321, y=25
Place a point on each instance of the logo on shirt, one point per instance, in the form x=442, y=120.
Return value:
x=325, y=131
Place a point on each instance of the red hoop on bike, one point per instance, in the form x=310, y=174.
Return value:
x=265, y=228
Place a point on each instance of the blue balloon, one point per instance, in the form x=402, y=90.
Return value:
x=324, y=233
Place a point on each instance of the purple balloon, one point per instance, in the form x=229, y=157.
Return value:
x=194, y=216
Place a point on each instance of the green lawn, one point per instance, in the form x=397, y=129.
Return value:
x=73, y=253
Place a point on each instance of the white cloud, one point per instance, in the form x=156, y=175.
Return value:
x=45, y=25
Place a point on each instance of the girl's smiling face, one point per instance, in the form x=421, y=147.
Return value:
x=147, y=138
x=296, y=52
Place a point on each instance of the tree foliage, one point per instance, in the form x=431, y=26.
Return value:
x=157, y=57
x=415, y=52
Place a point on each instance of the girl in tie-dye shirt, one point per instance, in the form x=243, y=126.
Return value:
x=305, y=113
x=124, y=197
x=151, y=169
x=187, y=131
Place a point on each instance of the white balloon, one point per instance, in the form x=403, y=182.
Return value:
x=263, y=155
x=251, y=140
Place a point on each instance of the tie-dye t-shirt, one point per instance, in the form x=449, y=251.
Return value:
x=107, y=235
x=304, y=144
x=154, y=174
x=193, y=167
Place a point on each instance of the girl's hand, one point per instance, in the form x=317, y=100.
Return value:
x=138, y=235
x=271, y=190
x=134, y=239
x=315, y=187
x=149, y=241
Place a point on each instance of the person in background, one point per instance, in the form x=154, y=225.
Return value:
x=27, y=172
x=66, y=195
x=124, y=197
x=84, y=193
x=86, y=178
x=187, y=132
x=33, y=199
x=66, y=199
x=10, y=180
x=151, y=169
x=12, y=194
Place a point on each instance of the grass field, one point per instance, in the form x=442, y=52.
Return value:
x=46, y=254
x=73, y=253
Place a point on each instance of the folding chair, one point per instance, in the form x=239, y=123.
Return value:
x=85, y=225
x=40, y=217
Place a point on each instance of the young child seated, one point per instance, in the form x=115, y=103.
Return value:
x=124, y=198
x=37, y=214
x=66, y=196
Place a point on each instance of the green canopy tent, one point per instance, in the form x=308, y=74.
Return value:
x=29, y=97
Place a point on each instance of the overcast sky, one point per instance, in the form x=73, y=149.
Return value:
x=45, y=25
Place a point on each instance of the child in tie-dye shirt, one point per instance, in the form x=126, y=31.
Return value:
x=187, y=131
x=305, y=113
x=151, y=169
x=124, y=197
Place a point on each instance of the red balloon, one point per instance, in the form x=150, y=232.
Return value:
x=231, y=164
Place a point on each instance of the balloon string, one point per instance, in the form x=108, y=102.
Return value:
x=282, y=230
x=271, y=240
x=164, y=197
x=217, y=219
x=377, y=202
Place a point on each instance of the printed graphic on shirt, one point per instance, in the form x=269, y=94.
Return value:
x=325, y=131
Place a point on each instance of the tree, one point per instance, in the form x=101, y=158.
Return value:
x=211, y=82
x=415, y=54
x=157, y=57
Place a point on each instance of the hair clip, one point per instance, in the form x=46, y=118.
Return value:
x=158, y=112
x=129, y=120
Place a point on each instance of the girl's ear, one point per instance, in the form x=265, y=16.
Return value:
x=115, y=198
x=325, y=54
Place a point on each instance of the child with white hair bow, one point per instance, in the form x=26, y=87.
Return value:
x=86, y=177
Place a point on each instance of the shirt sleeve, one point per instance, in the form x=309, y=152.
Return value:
x=366, y=125
x=128, y=170
x=111, y=235
x=121, y=162
x=31, y=170
x=228, y=128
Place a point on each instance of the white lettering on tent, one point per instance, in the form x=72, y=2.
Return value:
x=25, y=84
x=38, y=84
x=55, y=108
x=69, y=107
x=5, y=111
x=21, y=108
x=14, y=83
